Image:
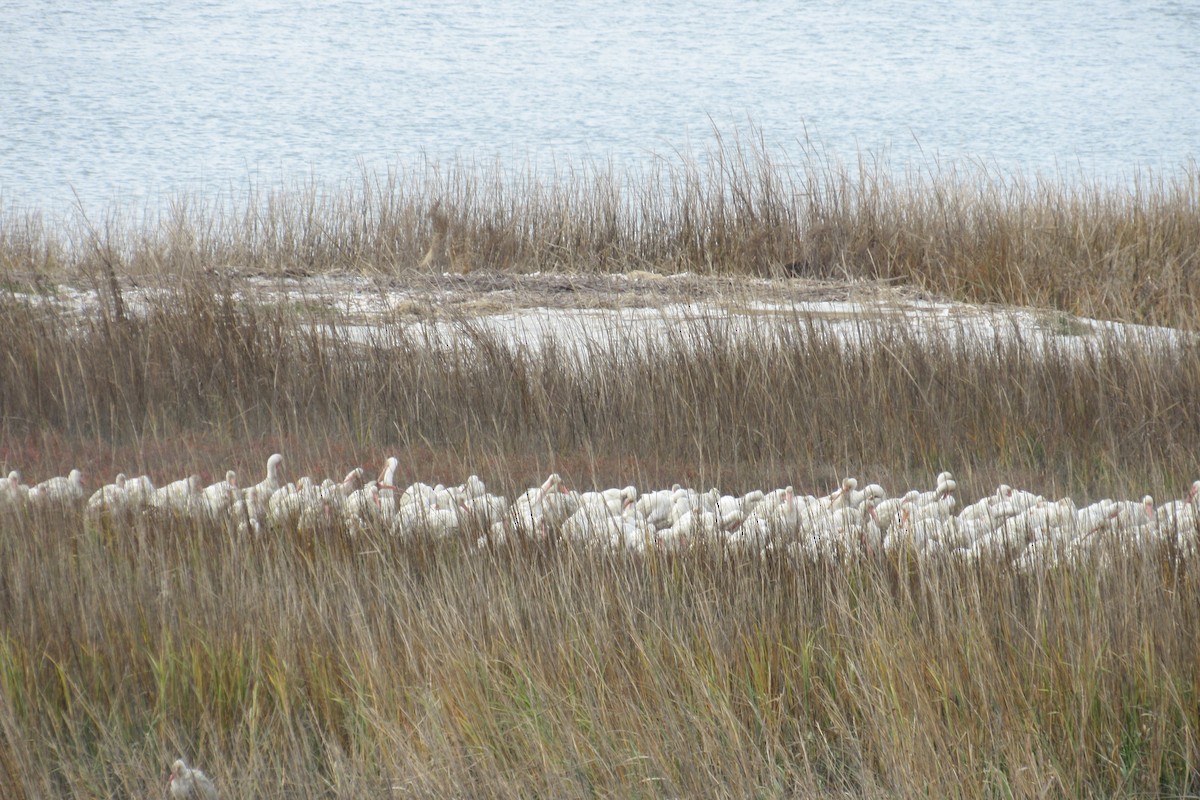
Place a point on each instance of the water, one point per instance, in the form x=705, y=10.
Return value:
x=134, y=102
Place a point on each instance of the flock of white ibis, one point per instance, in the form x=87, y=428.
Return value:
x=1020, y=527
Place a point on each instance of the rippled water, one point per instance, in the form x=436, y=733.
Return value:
x=129, y=100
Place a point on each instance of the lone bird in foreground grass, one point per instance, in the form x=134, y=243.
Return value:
x=190, y=784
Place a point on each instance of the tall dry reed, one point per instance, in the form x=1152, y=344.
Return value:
x=304, y=664
x=325, y=665
x=1113, y=250
x=202, y=382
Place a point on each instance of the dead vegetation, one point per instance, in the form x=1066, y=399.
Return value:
x=1124, y=251
x=333, y=666
x=328, y=665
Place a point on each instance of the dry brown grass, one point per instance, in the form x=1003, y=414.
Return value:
x=310, y=665
x=1114, y=251
x=305, y=665
x=334, y=666
x=202, y=382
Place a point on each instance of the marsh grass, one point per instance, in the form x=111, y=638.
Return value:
x=317, y=664
x=1123, y=250
x=314, y=664
x=202, y=381
x=339, y=666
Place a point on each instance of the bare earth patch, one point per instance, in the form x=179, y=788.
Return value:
x=422, y=295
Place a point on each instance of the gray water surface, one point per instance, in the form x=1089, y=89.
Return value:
x=137, y=101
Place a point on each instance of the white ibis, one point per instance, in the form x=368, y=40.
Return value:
x=59, y=490
x=187, y=783
x=274, y=480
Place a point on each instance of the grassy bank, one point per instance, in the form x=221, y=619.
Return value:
x=203, y=382
x=1125, y=251
x=359, y=667
x=304, y=666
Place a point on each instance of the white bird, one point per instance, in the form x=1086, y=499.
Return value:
x=1056, y=514
x=389, y=494
x=963, y=533
x=837, y=497
x=109, y=498
x=859, y=526
x=485, y=510
x=59, y=490
x=187, y=783
x=138, y=492
x=656, y=506
x=420, y=493
x=1134, y=514
x=855, y=498
x=619, y=499
x=1096, y=516
x=946, y=487
x=387, y=476
x=631, y=532
x=1093, y=528
x=696, y=527
x=248, y=514
x=329, y=500
x=1181, y=518
x=12, y=491
x=886, y=510
x=941, y=508
x=920, y=533
x=1004, y=543
x=179, y=495
x=691, y=500
x=751, y=501
x=841, y=532
x=990, y=511
x=219, y=497
x=1019, y=498
x=546, y=508
x=447, y=497
x=1039, y=555
x=590, y=525
x=352, y=482
x=362, y=510
x=274, y=480
x=791, y=513
x=850, y=496
x=287, y=505
x=690, y=528
x=427, y=522
x=473, y=487
x=730, y=512
x=752, y=537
